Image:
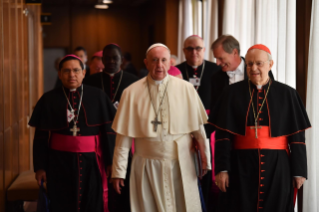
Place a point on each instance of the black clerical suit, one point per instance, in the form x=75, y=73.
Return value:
x=74, y=180
x=260, y=179
x=114, y=86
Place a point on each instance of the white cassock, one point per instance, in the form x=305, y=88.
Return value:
x=163, y=177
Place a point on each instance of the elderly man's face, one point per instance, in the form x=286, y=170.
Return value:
x=194, y=51
x=228, y=61
x=157, y=62
x=173, y=61
x=96, y=65
x=258, y=66
x=112, y=60
x=71, y=74
x=81, y=54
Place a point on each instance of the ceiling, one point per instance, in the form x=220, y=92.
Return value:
x=92, y=2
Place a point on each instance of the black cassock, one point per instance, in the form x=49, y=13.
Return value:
x=219, y=82
x=73, y=179
x=204, y=90
x=260, y=179
x=114, y=86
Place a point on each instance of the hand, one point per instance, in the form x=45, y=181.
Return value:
x=222, y=181
x=117, y=184
x=108, y=171
x=41, y=175
x=297, y=182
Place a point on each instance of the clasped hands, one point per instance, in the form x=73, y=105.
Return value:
x=222, y=181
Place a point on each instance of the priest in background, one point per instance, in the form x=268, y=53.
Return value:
x=161, y=113
x=82, y=54
x=113, y=80
x=260, y=140
x=196, y=70
x=96, y=64
x=72, y=148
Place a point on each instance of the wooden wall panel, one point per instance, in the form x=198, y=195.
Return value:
x=2, y=190
x=133, y=28
x=171, y=22
x=14, y=88
x=6, y=65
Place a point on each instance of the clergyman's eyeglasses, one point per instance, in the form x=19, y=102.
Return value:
x=258, y=63
x=197, y=48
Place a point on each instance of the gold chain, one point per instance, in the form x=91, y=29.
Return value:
x=252, y=102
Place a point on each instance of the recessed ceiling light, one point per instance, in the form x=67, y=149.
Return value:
x=107, y=1
x=101, y=6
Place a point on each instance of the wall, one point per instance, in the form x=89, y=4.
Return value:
x=133, y=28
x=15, y=90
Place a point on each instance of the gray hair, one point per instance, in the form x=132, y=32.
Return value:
x=228, y=42
x=174, y=57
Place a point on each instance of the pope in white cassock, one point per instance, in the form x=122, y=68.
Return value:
x=162, y=113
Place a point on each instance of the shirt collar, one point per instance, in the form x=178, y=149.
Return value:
x=238, y=71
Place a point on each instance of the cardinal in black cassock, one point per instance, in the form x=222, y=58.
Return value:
x=113, y=81
x=73, y=142
x=260, y=152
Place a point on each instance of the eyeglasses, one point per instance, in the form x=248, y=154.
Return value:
x=197, y=48
x=258, y=64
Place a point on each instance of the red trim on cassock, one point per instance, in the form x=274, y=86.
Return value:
x=83, y=144
x=298, y=143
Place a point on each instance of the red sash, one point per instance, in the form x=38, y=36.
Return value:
x=83, y=144
x=264, y=141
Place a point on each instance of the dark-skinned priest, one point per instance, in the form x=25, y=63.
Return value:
x=72, y=149
x=152, y=111
x=113, y=80
x=260, y=150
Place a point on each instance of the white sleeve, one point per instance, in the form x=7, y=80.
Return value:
x=207, y=147
x=120, y=158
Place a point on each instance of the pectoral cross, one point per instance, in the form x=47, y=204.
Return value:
x=255, y=127
x=156, y=122
x=75, y=130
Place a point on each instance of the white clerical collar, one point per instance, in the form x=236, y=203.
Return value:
x=259, y=87
x=112, y=74
x=194, y=67
x=158, y=82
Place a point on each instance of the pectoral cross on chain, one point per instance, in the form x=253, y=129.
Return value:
x=75, y=130
x=255, y=127
x=156, y=123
